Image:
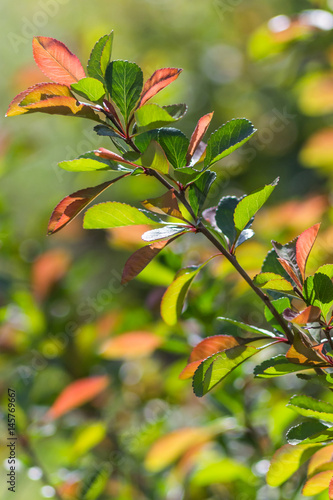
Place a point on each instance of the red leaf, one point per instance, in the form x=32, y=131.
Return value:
x=287, y=267
x=49, y=268
x=140, y=259
x=110, y=155
x=56, y=61
x=206, y=348
x=76, y=394
x=63, y=105
x=34, y=94
x=165, y=204
x=198, y=134
x=131, y=345
x=158, y=81
x=304, y=245
x=308, y=315
x=73, y=204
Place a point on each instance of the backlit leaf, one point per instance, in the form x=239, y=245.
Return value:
x=249, y=205
x=158, y=81
x=280, y=305
x=76, y=394
x=164, y=232
x=277, y=366
x=140, y=259
x=114, y=214
x=152, y=116
x=56, y=61
x=318, y=483
x=165, y=204
x=62, y=105
x=100, y=57
x=124, y=82
x=309, y=315
x=198, y=134
x=320, y=458
x=155, y=158
x=305, y=351
x=272, y=281
x=89, y=162
x=310, y=407
x=288, y=460
x=318, y=291
x=110, y=155
x=248, y=328
x=89, y=88
x=304, y=245
x=227, y=139
x=175, y=145
x=215, y=368
x=199, y=189
x=73, y=204
x=130, y=345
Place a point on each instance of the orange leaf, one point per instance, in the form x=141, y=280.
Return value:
x=321, y=457
x=76, y=394
x=206, y=348
x=304, y=245
x=172, y=446
x=49, y=268
x=317, y=483
x=56, y=61
x=198, y=134
x=140, y=259
x=131, y=345
x=158, y=81
x=304, y=352
x=165, y=204
x=287, y=267
x=34, y=94
x=73, y=204
x=110, y=155
x=63, y=105
x=308, y=315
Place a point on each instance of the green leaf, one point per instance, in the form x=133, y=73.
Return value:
x=280, y=305
x=248, y=328
x=90, y=88
x=318, y=291
x=272, y=265
x=310, y=407
x=199, y=189
x=249, y=206
x=89, y=162
x=95, y=483
x=309, y=432
x=142, y=141
x=277, y=366
x=152, y=116
x=175, y=145
x=174, y=297
x=164, y=232
x=105, y=131
x=272, y=281
x=124, y=82
x=224, y=217
x=288, y=460
x=114, y=214
x=227, y=139
x=215, y=368
x=185, y=175
x=155, y=158
x=100, y=57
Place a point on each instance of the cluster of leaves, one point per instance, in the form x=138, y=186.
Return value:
x=116, y=97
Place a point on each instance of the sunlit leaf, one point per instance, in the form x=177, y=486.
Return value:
x=198, y=134
x=320, y=458
x=318, y=291
x=215, y=368
x=73, y=204
x=308, y=315
x=141, y=258
x=164, y=232
x=56, y=61
x=305, y=351
x=277, y=366
x=310, y=407
x=199, y=190
x=249, y=205
x=280, y=305
x=114, y=214
x=175, y=145
x=124, y=82
x=130, y=345
x=76, y=394
x=110, y=155
x=287, y=460
x=248, y=328
x=152, y=116
x=310, y=431
x=89, y=88
x=62, y=105
x=89, y=162
x=318, y=483
x=100, y=57
x=225, y=471
x=304, y=245
x=227, y=139
x=165, y=204
x=155, y=158
x=272, y=281
x=317, y=152
x=158, y=81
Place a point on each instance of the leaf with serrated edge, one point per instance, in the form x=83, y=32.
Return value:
x=89, y=88
x=199, y=189
x=249, y=206
x=100, y=57
x=158, y=81
x=36, y=93
x=272, y=281
x=310, y=431
x=227, y=139
x=304, y=245
x=248, y=328
x=276, y=367
x=199, y=132
x=63, y=105
x=56, y=61
x=114, y=214
x=310, y=407
x=175, y=145
x=73, y=204
x=165, y=204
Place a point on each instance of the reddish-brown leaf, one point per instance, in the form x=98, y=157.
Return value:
x=158, y=81
x=287, y=267
x=73, y=204
x=56, y=61
x=304, y=245
x=63, y=105
x=165, y=204
x=140, y=259
x=34, y=94
x=110, y=155
x=206, y=348
x=76, y=394
x=304, y=352
x=308, y=315
x=198, y=134
x=49, y=268
x=131, y=345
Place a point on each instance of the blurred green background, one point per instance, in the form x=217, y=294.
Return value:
x=60, y=296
